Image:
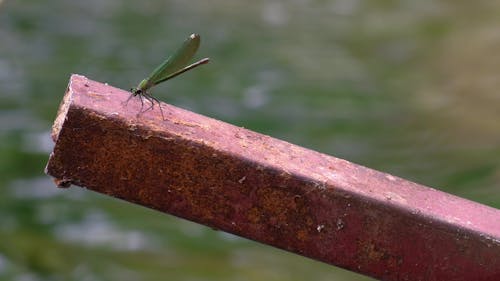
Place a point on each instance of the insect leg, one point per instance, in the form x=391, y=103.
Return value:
x=152, y=99
x=130, y=97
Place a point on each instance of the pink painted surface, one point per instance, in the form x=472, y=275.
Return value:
x=269, y=190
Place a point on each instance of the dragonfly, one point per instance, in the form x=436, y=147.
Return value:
x=173, y=66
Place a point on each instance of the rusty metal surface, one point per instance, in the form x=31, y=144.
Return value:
x=269, y=190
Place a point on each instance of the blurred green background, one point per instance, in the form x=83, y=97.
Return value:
x=405, y=87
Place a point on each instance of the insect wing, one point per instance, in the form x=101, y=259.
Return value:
x=180, y=71
x=177, y=61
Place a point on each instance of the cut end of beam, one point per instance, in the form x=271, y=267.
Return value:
x=268, y=190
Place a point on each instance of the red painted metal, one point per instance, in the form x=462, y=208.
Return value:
x=269, y=190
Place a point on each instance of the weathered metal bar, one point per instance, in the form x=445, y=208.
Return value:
x=269, y=190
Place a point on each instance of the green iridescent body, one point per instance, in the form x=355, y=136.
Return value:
x=173, y=66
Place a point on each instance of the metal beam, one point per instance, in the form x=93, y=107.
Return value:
x=269, y=190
